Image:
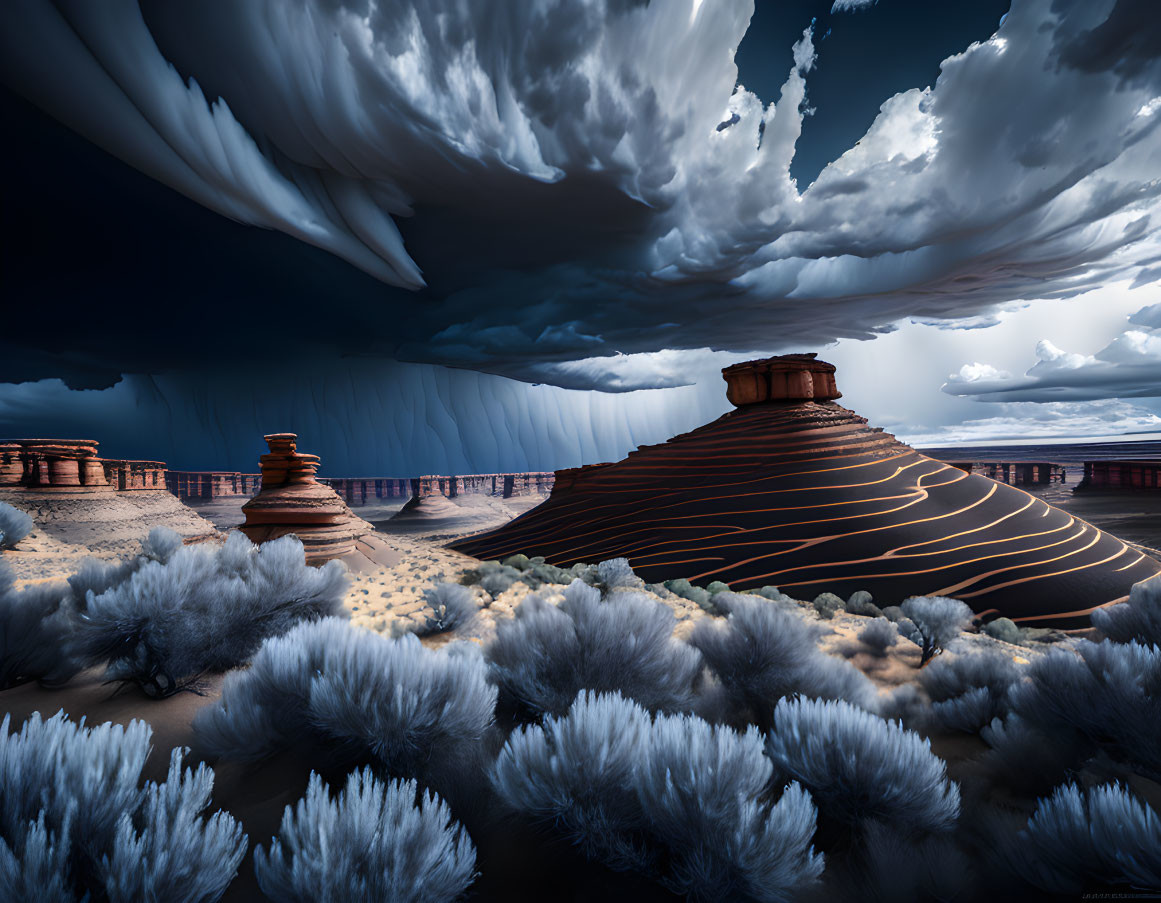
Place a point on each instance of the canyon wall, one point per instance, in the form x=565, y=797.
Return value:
x=362, y=491
x=206, y=485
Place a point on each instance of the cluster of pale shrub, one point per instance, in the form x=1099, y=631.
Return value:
x=741, y=763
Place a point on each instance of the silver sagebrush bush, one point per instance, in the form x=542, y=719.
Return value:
x=544, y=656
x=61, y=766
x=858, y=766
x=893, y=865
x=1078, y=838
x=355, y=691
x=1028, y=761
x=15, y=525
x=98, y=576
x=376, y=841
x=35, y=625
x=578, y=774
x=1107, y=695
x=968, y=690
x=1138, y=619
x=678, y=799
x=167, y=850
x=448, y=606
x=879, y=636
x=71, y=800
x=184, y=611
x=701, y=788
x=938, y=619
x=34, y=865
x=498, y=581
x=764, y=652
x=617, y=574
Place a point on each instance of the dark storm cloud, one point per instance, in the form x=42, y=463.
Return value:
x=539, y=189
x=1127, y=42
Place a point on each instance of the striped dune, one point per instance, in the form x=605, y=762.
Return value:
x=792, y=490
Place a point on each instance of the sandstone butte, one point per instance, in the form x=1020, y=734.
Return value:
x=792, y=490
x=293, y=501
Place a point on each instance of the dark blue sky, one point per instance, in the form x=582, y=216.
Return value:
x=864, y=57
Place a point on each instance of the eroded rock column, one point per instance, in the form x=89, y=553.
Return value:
x=293, y=501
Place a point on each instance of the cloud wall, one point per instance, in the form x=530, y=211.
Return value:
x=365, y=418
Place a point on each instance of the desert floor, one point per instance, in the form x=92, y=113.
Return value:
x=386, y=599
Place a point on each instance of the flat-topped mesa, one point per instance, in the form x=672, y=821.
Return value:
x=71, y=466
x=293, y=501
x=55, y=464
x=787, y=377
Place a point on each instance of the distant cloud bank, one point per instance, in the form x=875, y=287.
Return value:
x=1128, y=367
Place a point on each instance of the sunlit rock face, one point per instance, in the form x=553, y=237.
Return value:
x=791, y=489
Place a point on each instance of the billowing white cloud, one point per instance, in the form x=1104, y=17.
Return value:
x=975, y=372
x=1128, y=367
x=1028, y=170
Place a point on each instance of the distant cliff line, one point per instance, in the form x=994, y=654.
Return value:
x=194, y=485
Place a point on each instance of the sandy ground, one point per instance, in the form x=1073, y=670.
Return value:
x=72, y=527
x=382, y=597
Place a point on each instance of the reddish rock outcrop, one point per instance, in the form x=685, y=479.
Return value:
x=369, y=490
x=130, y=475
x=293, y=501
x=363, y=491
x=212, y=484
x=67, y=464
x=792, y=490
x=11, y=464
x=72, y=466
x=84, y=504
x=790, y=377
x=1132, y=475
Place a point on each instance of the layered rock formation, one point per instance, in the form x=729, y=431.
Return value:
x=1132, y=475
x=85, y=505
x=203, y=485
x=293, y=501
x=72, y=466
x=52, y=464
x=362, y=491
x=793, y=490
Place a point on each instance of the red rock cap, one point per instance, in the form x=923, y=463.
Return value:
x=788, y=377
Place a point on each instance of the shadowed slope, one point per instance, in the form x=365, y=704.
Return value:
x=800, y=493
